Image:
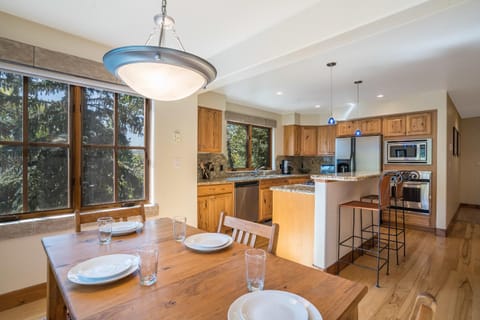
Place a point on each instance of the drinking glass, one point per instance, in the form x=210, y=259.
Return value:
x=179, y=228
x=148, y=262
x=255, y=268
x=104, y=229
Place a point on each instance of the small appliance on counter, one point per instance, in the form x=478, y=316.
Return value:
x=285, y=167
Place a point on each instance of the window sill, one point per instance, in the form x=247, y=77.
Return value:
x=66, y=222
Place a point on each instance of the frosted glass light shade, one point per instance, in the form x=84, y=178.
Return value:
x=159, y=73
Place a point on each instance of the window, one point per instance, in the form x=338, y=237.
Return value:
x=248, y=146
x=38, y=161
x=113, y=145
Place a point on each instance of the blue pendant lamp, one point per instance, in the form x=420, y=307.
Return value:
x=331, y=119
x=158, y=72
x=358, y=132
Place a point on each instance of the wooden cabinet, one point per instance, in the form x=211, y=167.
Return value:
x=308, y=141
x=265, y=197
x=408, y=125
x=291, y=140
x=419, y=123
x=211, y=200
x=346, y=128
x=326, y=140
x=394, y=126
x=265, y=209
x=371, y=126
x=209, y=130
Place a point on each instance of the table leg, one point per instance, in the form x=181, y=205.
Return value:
x=55, y=305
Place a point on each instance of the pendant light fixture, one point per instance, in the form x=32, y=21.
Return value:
x=331, y=119
x=358, y=132
x=158, y=72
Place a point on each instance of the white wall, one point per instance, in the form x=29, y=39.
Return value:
x=174, y=163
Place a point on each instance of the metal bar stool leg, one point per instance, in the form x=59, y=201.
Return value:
x=353, y=235
x=361, y=231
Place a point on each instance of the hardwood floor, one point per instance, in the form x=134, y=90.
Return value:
x=447, y=268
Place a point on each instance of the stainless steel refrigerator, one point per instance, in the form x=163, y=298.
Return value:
x=358, y=154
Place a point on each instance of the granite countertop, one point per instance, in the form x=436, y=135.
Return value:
x=298, y=188
x=250, y=178
x=346, y=176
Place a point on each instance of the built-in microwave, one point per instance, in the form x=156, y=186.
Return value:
x=413, y=151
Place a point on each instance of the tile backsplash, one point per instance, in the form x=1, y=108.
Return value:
x=216, y=164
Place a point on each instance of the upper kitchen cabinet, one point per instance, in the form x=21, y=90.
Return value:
x=394, y=126
x=345, y=128
x=371, y=126
x=419, y=123
x=209, y=130
x=308, y=141
x=408, y=125
x=291, y=140
x=326, y=140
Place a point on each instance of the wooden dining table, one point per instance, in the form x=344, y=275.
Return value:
x=190, y=284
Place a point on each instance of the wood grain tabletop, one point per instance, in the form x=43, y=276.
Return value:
x=190, y=284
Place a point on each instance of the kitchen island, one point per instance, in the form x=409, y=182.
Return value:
x=308, y=215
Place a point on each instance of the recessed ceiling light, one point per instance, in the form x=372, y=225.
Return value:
x=317, y=106
x=279, y=93
x=380, y=95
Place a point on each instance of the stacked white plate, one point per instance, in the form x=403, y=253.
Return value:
x=103, y=269
x=272, y=304
x=125, y=227
x=208, y=242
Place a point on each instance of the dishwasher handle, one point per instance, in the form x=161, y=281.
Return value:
x=246, y=184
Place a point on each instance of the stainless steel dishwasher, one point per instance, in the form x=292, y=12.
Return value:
x=246, y=200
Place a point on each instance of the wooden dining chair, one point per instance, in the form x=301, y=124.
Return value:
x=424, y=308
x=118, y=214
x=246, y=232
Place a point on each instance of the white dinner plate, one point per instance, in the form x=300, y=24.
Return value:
x=272, y=304
x=207, y=242
x=103, y=269
x=125, y=227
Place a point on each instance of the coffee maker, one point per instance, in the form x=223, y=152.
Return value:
x=285, y=167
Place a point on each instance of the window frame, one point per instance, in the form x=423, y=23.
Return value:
x=249, y=150
x=74, y=147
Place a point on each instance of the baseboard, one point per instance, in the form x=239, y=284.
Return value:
x=332, y=269
x=22, y=296
x=471, y=206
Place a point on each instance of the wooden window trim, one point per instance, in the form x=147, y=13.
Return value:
x=75, y=148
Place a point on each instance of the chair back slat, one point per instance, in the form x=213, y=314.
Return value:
x=118, y=214
x=246, y=232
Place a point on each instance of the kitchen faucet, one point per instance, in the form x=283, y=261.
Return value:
x=255, y=171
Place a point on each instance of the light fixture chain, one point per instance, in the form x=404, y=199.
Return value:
x=164, y=8
x=331, y=91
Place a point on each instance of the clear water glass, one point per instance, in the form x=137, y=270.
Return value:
x=255, y=269
x=179, y=228
x=105, y=230
x=148, y=262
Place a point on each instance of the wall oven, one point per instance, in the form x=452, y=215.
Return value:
x=408, y=151
x=415, y=193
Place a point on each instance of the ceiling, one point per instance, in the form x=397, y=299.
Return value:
x=260, y=47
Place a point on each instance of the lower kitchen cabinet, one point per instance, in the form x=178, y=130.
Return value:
x=266, y=195
x=211, y=200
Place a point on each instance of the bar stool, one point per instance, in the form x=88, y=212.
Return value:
x=375, y=244
x=397, y=230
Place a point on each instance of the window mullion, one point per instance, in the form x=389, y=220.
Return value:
x=115, y=149
x=77, y=155
x=25, y=145
x=249, y=147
